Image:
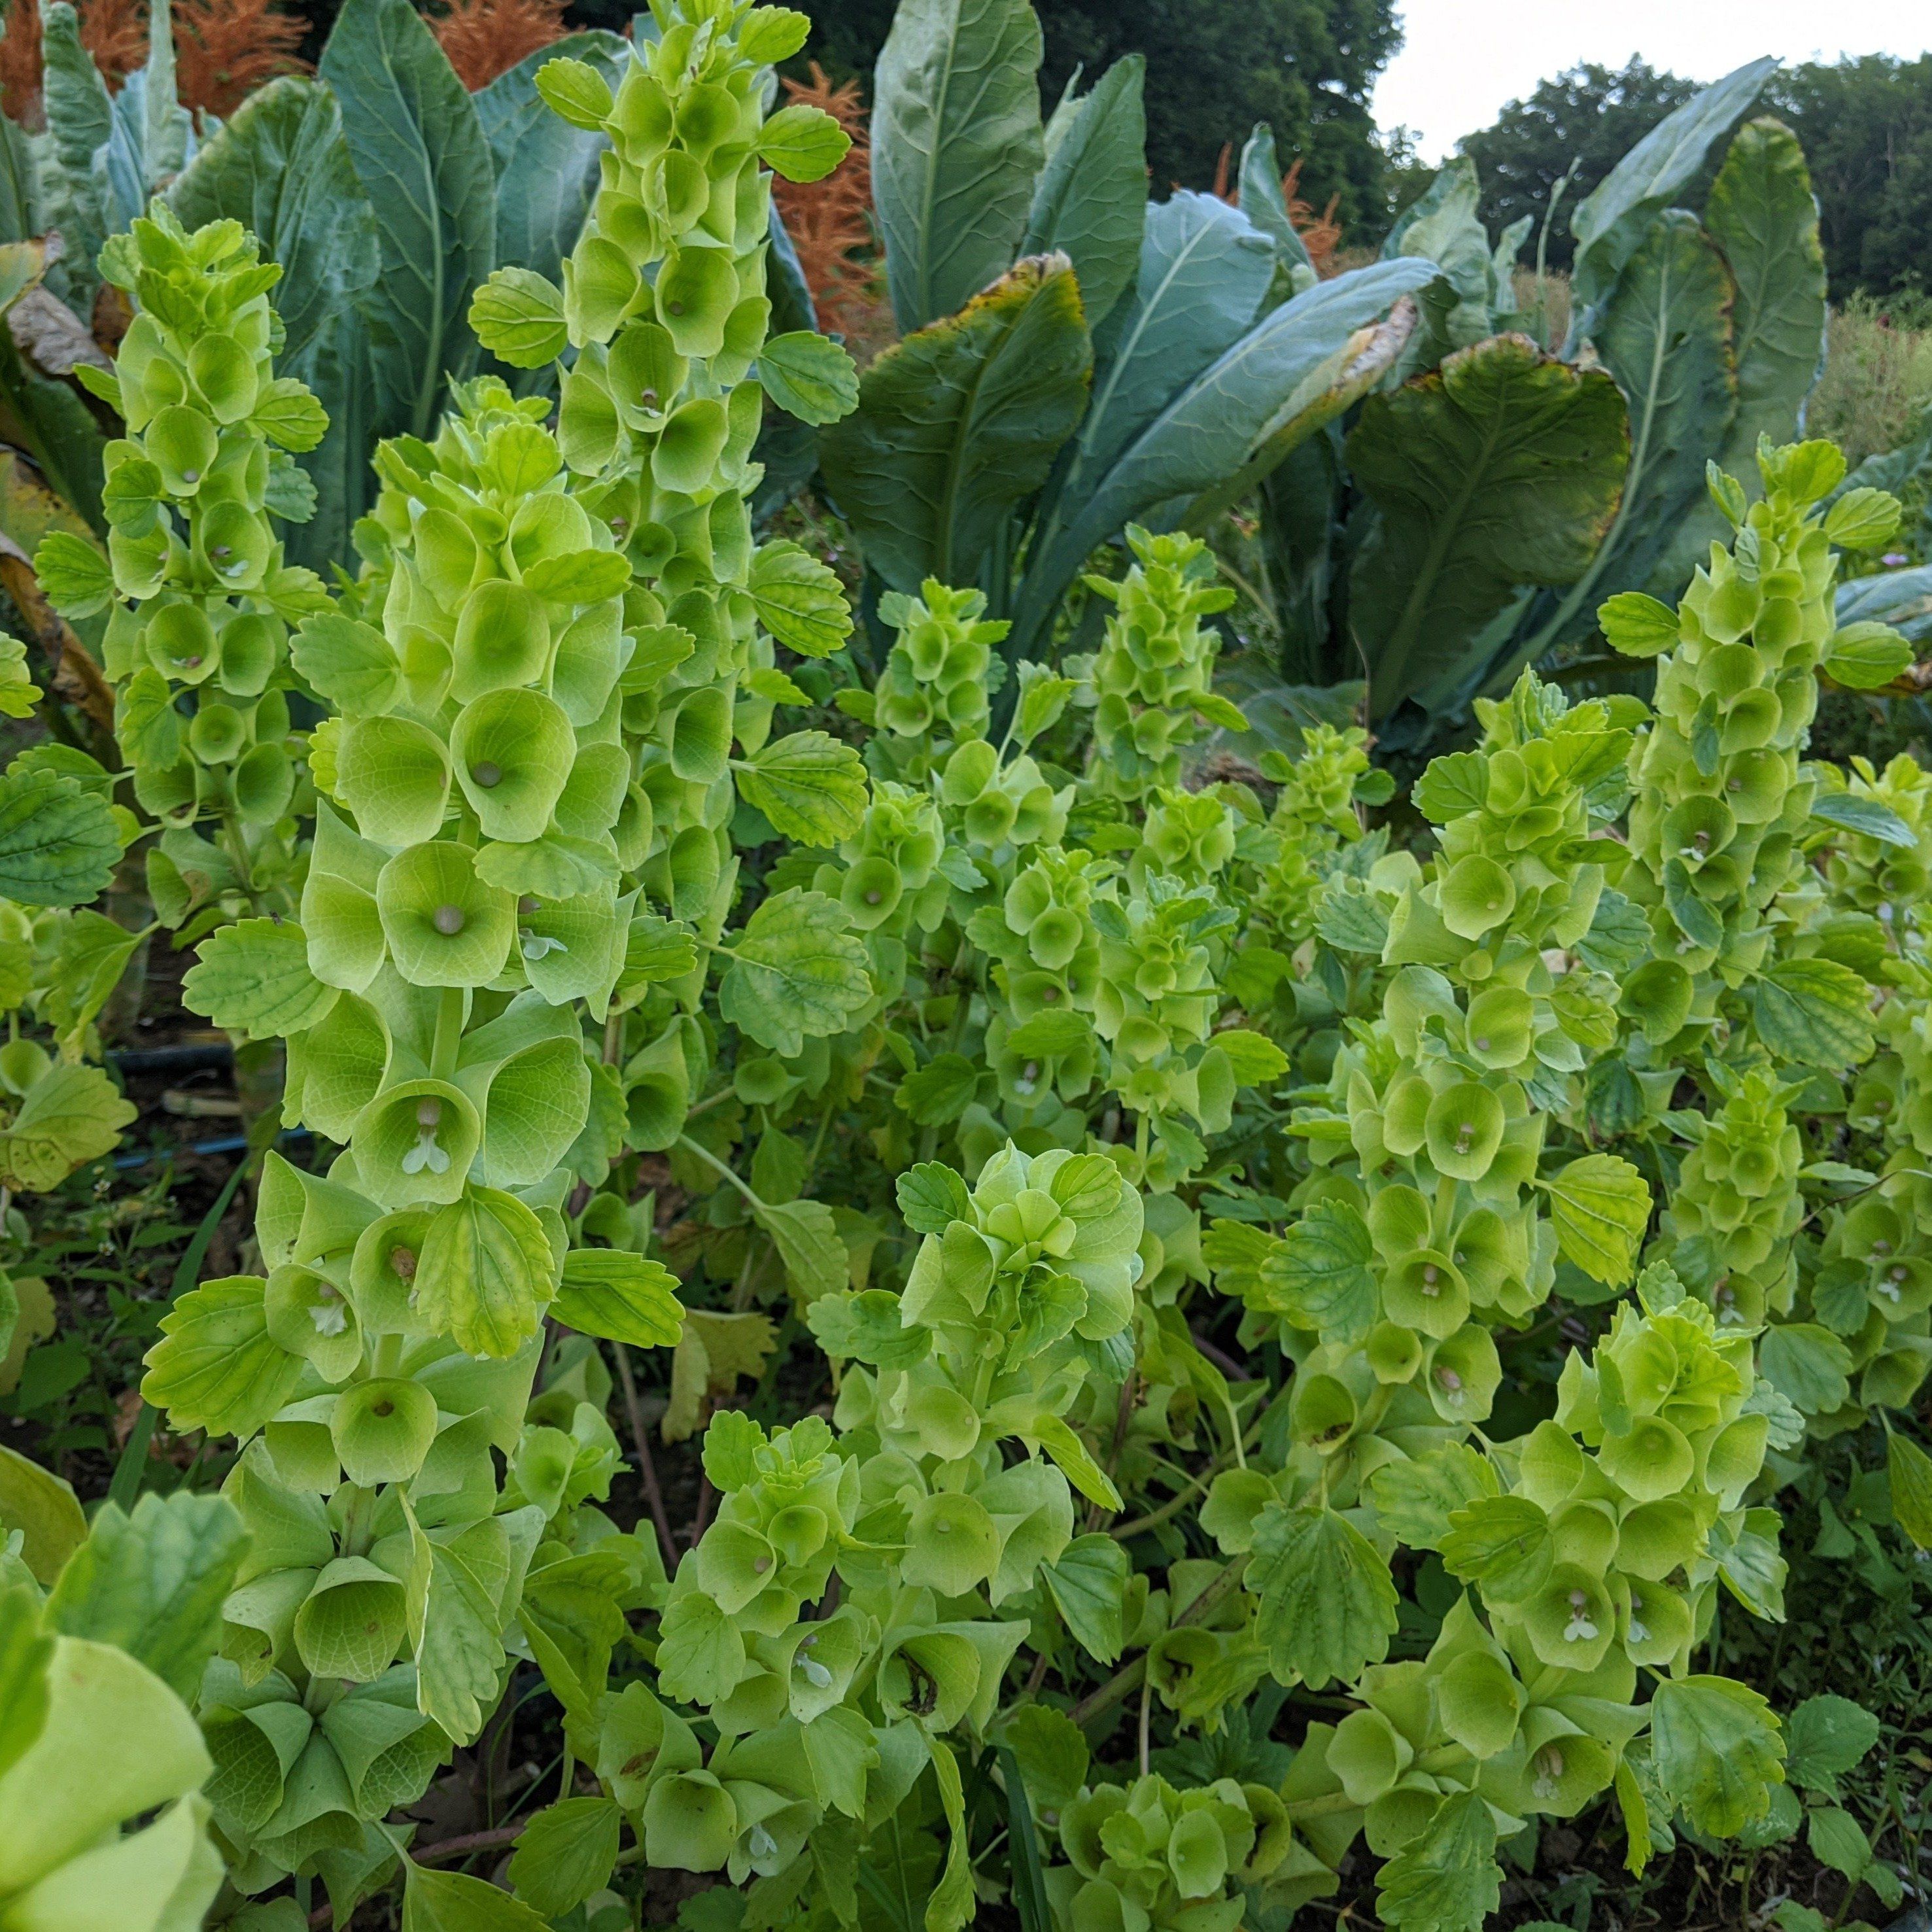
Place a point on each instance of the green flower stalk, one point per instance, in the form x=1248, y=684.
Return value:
x=938, y=1519
x=200, y=602
x=460, y=923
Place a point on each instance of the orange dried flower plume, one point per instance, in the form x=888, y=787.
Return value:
x=1320, y=234
x=484, y=38
x=223, y=50
x=829, y=221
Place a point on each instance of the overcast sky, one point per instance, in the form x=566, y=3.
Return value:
x=1462, y=59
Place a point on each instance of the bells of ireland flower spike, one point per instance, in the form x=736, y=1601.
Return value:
x=199, y=600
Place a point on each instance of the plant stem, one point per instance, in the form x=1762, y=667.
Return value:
x=647, y=1468
x=1127, y=1679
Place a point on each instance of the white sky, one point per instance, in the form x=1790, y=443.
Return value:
x=1462, y=59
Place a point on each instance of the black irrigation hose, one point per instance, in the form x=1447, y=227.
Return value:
x=208, y=1056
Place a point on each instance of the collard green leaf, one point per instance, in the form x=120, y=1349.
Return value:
x=80, y=122
x=58, y=842
x=810, y=786
x=1445, y=1879
x=546, y=169
x=620, y=1296
x=1717, y=1751
x=1653, y=174
x=1500, y=469
x=1762, y=213
x=1327, y=1602
x=1665, y=333
x=796, y=972
x=956, y=144
x=420, y=153
x=253, y=977
x=1600, y=1207
x=1263, y=202
x=154, y=1583
x=1198, y=431
x=957, y=423
x=1089, y=202
x=1203, y=274
x=281, y=166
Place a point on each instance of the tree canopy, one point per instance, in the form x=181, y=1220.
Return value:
x=1590, y=115
x=1865, y=123
x=1214, y=68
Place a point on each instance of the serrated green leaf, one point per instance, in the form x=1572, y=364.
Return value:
x=802, y=143
x=1327, y=1601
x=1909, y=1472
x=440, y=1901
x=76, y=578
x=796, y=973
x=44, y=1509
x=939, y=1091
x=485, y=1272
x=253, y=978
x=809, y=376
x=1717, y=1751
x=810, y=786
x=1864, y=655
x=565, y=1853
x=1318, y=1276
x=1601, y=1206
x=1826, y=1736
x=1088, y=1584
x=806, y=1236
x=217, y=1368
x=1637, y=626
x=932, y=1197
x=70, y=1115
x=1815, y=1013
x=153, y=1583
x=799, y=600
x=59, y=840
x=620, y=1296
x=1446, y=1878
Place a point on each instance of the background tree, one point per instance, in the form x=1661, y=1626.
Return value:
x=1591, y=115
x=1214, y=68
x=1867, y=127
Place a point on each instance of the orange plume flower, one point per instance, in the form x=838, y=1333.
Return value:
x=223, y=50
x=484, y=38
x=829, y=221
